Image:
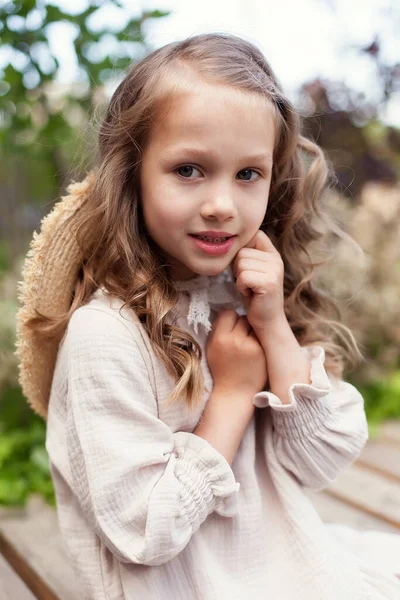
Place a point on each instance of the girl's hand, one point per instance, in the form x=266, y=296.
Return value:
x=235, y=357
x=238, y=366
x=259, y=271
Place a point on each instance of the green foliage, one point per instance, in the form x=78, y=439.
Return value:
x=41, y=127
x=382, y=398
x=4, y=259
x=31, y=123
x=24, y=464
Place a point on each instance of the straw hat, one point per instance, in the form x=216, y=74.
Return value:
x=49, y=274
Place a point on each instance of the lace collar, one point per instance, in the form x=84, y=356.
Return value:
x=208, y=293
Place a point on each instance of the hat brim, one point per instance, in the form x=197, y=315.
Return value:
x=49, y=275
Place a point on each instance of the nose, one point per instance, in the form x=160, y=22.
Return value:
x=220, y=204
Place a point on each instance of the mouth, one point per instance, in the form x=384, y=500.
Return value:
x=212, y=239
x=213, y=245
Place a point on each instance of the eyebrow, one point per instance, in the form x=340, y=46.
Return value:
x=201, y=153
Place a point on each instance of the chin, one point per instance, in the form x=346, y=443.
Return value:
x=212, y=270
x=207, y=268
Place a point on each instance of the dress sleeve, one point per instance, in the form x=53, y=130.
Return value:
x=142, y=487
x=323, y=428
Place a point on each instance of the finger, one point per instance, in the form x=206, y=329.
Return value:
x=253, y=254
x=260, y=241
x=250, y=282
x=260, y=266
x=242, y=325
x=253, y=335
x=227, y=319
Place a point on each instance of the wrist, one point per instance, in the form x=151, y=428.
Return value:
x=227, y=400
x=275, y=330
x=287, y=363
x=224, y=421
x=222, y=390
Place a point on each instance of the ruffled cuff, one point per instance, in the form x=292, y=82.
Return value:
x=208, y=482
x=306, y=410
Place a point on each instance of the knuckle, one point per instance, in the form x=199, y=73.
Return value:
x=274, y=282
x=252, y=346
x=220, y=341
x=237, y=343
x=272, y=285
x=241, y=279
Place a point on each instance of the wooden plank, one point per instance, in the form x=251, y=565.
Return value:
x=333, y=510
x=30, y=541
x=11, y=585
x=371, y=492
x=383, y=457
x=390, y=431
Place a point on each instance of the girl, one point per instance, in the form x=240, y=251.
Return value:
x=188, y=369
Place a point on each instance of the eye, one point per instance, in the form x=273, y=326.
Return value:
x=245, y=175
x=186, y=172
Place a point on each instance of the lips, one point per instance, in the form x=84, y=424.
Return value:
x=214, y=247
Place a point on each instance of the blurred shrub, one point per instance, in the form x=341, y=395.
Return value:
x=46, y=131
x=24, y=466
x=4, y=260
x=382, y=398
x=368, y=290
x=44, y=138
x=38, y=115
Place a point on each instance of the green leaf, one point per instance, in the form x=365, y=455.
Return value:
x=13, y=491
x=4, y=258
x=54, y=14
x=156, y=14
x=25, y=7
x=6, y=449
x=40, y=458
x=12, y=76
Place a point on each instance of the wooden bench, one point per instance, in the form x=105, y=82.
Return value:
x=31, y=543
x=11, y=585
x=34, y=564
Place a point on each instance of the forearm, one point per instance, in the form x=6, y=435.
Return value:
x=287, y=363
x=223, y=424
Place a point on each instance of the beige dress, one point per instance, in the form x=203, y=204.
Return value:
x=149, y=510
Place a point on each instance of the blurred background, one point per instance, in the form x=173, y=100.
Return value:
x=338, y=61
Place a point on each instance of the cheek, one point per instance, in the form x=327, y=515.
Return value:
x=172, y=219
x=165, y=213
x=254, y=214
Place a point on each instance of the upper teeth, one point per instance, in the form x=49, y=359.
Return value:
x=211, y=239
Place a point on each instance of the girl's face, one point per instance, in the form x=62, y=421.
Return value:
x=207, y=167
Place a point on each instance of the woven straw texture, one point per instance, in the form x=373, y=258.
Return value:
x=49, y=274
